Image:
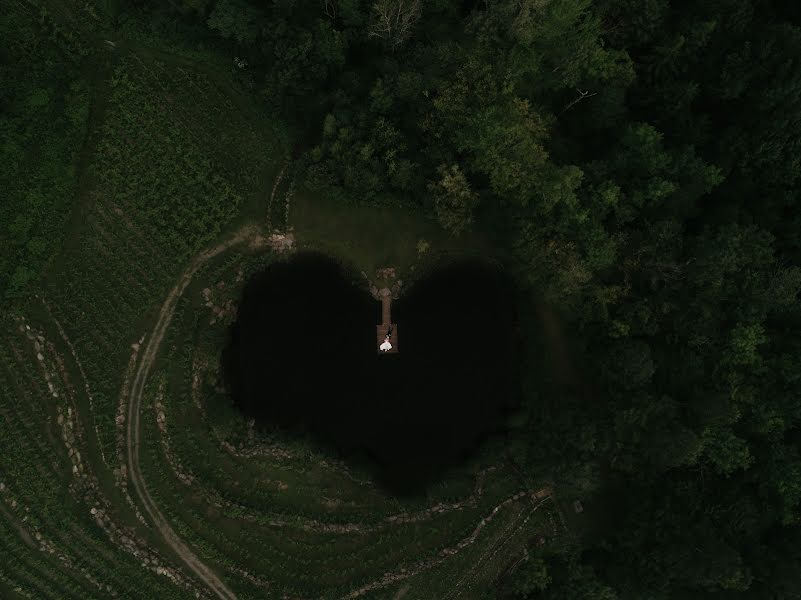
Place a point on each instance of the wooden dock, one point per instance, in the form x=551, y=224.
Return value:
x=386, y=323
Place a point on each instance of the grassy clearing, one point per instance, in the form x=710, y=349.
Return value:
x=374, y=237
x=174, y=159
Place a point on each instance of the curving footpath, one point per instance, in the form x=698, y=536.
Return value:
x=203, y=572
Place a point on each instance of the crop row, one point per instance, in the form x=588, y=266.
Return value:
x=59, y=548
x=287, y=556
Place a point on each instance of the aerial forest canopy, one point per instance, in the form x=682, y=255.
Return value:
x=637, y=164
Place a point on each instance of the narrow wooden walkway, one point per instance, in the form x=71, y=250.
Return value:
x=386, y=322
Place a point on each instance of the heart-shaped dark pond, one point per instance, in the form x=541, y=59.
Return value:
x=302, y=357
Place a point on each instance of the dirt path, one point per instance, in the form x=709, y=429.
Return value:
x=147, y=358
x=203, y=572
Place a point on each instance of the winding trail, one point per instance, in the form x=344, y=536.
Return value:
x=202, y=571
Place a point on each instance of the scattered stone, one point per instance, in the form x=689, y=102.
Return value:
x=281, y=242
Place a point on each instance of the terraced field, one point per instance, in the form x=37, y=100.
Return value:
x=124, y=471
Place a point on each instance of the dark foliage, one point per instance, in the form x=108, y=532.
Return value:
x=640, y=163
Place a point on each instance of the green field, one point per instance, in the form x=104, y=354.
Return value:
x=157, y=185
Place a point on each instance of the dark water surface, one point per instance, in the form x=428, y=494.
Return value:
x=302, y=357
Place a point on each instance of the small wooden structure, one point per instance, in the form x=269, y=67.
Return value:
x=386, y=322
